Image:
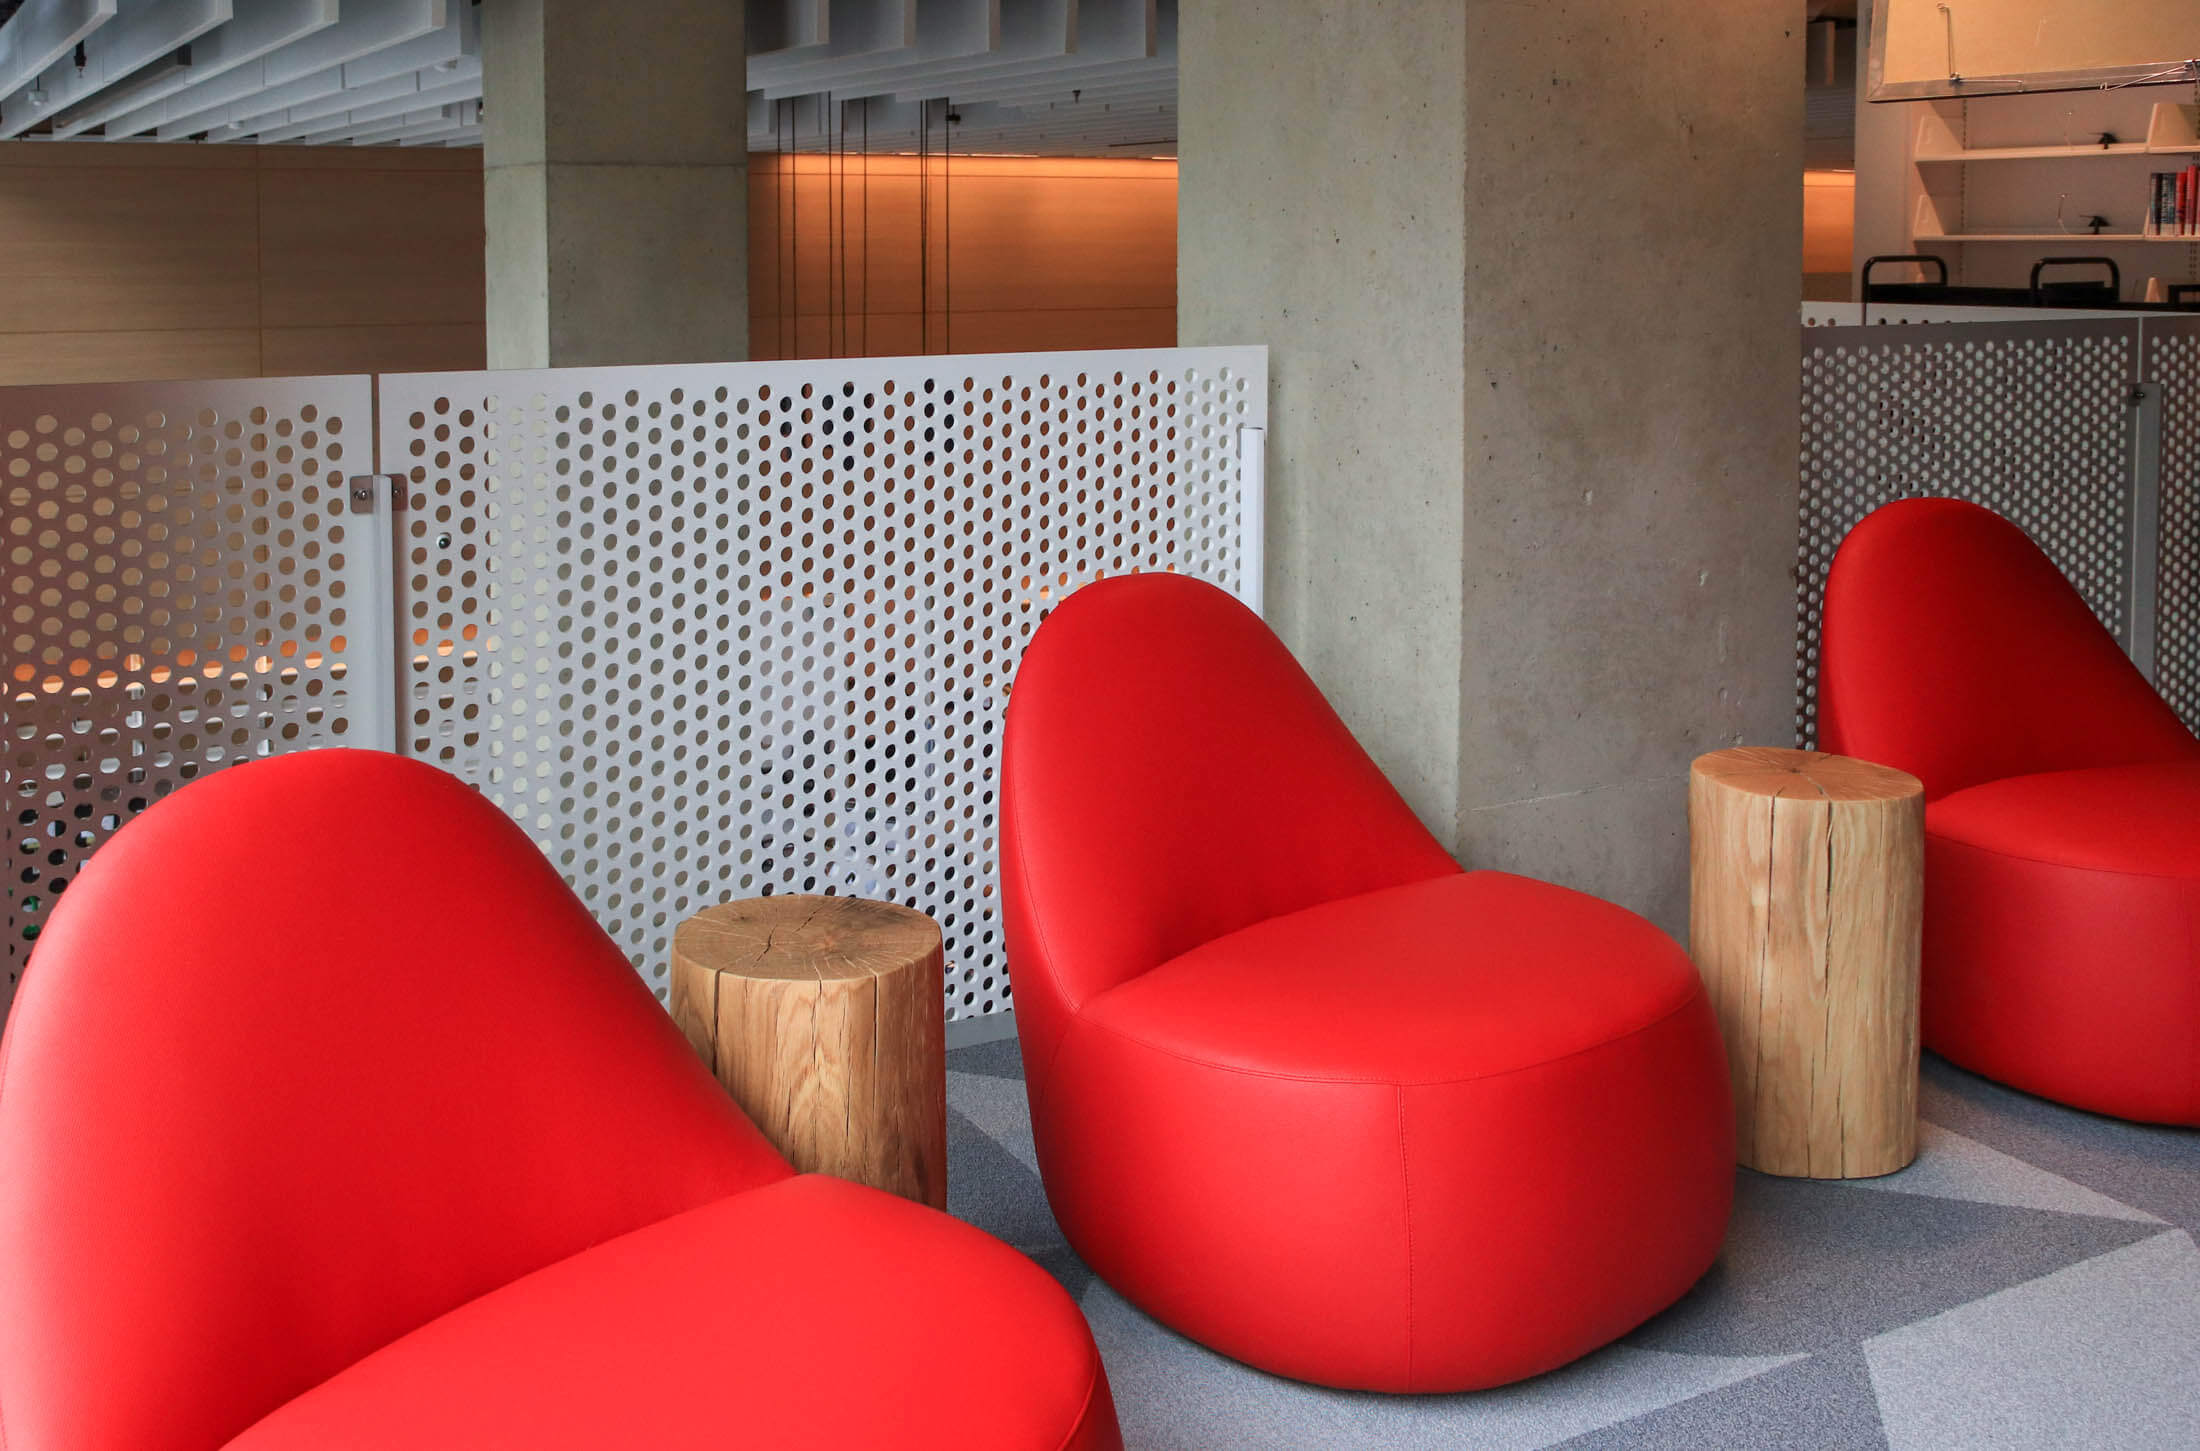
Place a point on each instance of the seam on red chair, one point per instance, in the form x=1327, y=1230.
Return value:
x=1599, y=1045
x=7, y=1057
x=1077, y=1428
x=1037, y=1086
x=2192, y=950
x=1405, y=1196
x=2040, y=861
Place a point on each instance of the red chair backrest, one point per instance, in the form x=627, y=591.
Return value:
x=310, y=1053
x=1952, y=648
x=1170, y=775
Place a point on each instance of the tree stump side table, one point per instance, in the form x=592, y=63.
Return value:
x=1805, y=888
x=824, y=1017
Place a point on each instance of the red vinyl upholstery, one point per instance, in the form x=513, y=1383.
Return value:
x=812, y=1312
x=1953, y=649
x=2062, y=824
x=1301, y=1087
x=322, y=1088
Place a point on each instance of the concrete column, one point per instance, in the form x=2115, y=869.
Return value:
x=615, y=156
x=1320, y=210
x=1529, y=274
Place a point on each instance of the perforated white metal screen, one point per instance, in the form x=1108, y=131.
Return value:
x=187, y=586
x=2032, y=420
x=726, y=630
x=2173, y=362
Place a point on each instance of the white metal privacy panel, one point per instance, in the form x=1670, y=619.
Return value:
x=2172, y=365
x=2032, y=420
x=187, y=585
x=726, y=630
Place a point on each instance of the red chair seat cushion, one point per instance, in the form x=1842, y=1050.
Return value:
x=2139, y=819
x=1465, y=976
x=1436, y=1136
x=812, y=1313
x=2062, y=936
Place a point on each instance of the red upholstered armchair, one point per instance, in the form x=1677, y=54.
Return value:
x=329, y=1119
x=1301, y=1087
x=2062, y=817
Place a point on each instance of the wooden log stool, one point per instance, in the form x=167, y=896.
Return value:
x=1805, y=878
x=825, y=1018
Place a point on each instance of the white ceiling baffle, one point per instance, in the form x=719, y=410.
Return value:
x=138, y=50
x=1035, y=77
x=360, y=72
x=1021, y=77
x=40, y=34
x=369, y=44
x=258, y=29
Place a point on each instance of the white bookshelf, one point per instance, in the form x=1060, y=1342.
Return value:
x=1930, y=225
x=2019, y=176
x=2173, y=129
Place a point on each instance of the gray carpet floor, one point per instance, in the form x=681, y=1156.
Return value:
x=2032, y=1281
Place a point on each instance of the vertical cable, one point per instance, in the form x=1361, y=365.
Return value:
x=866, y=227
x=788, y=160
x=779, y=223
x=795, y=135
x=947, y=226
x=924, y=228
x=840, y=190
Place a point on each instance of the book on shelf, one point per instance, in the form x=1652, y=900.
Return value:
x=2173, y=205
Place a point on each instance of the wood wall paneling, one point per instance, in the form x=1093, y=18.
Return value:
x=127, y=249
x=1024, y=254
x=416, y=347
x=168, y=261
x=114, y=355
x=360, y=248
x=1829, y=220
x=160, y=261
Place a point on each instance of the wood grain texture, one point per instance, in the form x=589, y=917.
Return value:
x=132, y=261
x=1806, y=890
x=1829, y=221
x=351, y=247
x=824, y=1018
x=413, y=347
x=1025, y=254
x=103, y=357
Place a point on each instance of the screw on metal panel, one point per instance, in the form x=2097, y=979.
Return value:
x=2137, y=396
x=363, y=493
x=442, y=541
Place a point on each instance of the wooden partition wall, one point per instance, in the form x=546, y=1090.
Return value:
x=851, y=256
x=142, y=261
x=1829, y=235
x=139, y=261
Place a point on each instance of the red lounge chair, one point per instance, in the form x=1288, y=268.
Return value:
x=1301, y=1087
x=2062, y=817
x=330, y=1120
